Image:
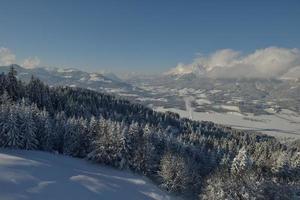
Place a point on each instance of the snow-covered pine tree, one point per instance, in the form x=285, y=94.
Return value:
x=131, y=144
x=60, y=122
x=151, y=159
x=71, y=136
x=40, y=117
x=12, y=86
x=5, y=98
x=101, y=144
x=92, y=127
x=296, y=162
x=49, y=136
x=4, y=113
x=123, y=150
x=117, y=133
x=174, y=173
x=27, y=129
x=241, y=162
x=12, y=132
x=282, y=166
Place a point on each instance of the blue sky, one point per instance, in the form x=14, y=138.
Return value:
x=143, y=36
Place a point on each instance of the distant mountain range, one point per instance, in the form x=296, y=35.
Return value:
x=222, y=72
x=71, y=77
x=249, y=95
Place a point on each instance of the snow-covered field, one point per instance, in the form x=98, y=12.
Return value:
x=284, y=124
x=39, y=175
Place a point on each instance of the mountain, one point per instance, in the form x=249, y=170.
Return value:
x=181, y=70
x=74, y=78
x=269, y=105
x=250, y=95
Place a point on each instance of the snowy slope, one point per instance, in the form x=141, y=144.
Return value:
x=40, y=175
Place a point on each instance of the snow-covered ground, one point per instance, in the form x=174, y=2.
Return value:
x=39, y=175
x=285, y=124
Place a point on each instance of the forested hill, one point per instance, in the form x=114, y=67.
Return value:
x=183, y=156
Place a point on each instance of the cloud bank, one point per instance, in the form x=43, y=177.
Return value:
x=270, y=62
x=7, y=57
x=31, y=62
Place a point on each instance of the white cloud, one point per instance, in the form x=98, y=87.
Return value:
x=228, y=63
x=6, y=56
x=31, y=62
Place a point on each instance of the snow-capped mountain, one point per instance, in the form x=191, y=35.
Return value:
x=181, y=70
x=73, y=78
x=220, y=72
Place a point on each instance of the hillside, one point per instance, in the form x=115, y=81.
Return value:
x=38, y=175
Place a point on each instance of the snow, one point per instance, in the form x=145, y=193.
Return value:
x=113, y=90
x=151, y=99
x=288, y=112
x=23, y=73
x=215, y=91
x=230, y=107
x=202, y=95
x=279, y=125
x=202, y=101
x=61, y=70
x=270, y=110
x=128, y=95
x=180, y=69
x=95, y=77
x=39, y=175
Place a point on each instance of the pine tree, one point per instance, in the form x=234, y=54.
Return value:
x=28, y=131
x=70, y=137
x=282, y=166
x=49, y=136
x=5, y=98
x=241, y=162
x=174, y=172
x=101, y=144
x=12, y=132
x=296, y=162
x=4, y=113
x=131, y=144
x=60, y=122
x=151, y=160
x=12, y=86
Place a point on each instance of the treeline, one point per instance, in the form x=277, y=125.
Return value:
x=197, y=159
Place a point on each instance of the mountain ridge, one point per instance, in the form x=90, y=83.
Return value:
x=72, y=77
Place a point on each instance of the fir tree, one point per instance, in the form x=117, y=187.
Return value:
x=241, y=162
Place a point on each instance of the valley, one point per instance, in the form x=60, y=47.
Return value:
x=269, y=106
